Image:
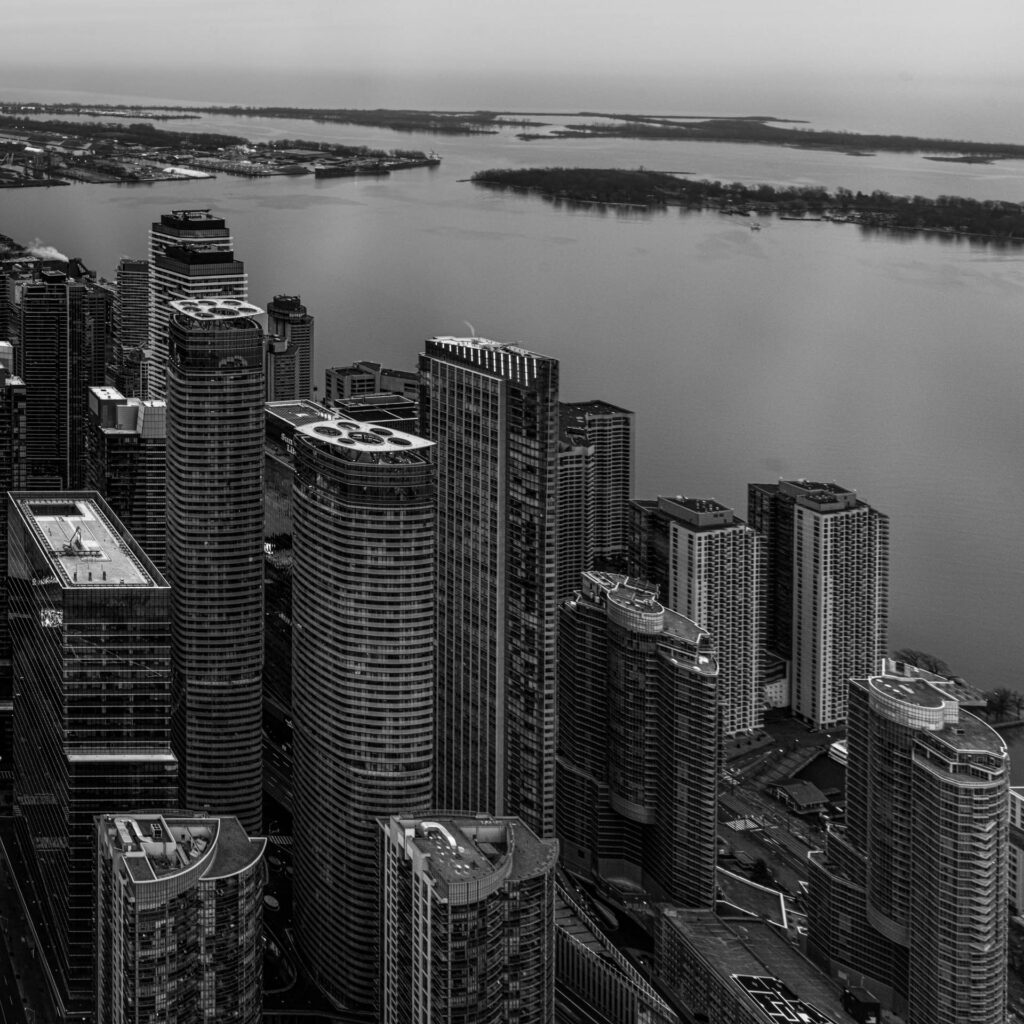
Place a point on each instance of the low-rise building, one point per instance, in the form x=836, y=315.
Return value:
x=741, y=971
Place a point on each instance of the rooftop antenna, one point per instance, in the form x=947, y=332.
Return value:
x=472, y=329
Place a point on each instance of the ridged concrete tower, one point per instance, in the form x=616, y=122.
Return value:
x=362, y=680
x=215, y=553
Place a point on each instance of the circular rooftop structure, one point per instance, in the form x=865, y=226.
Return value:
x=226, y=308
x=347, y=433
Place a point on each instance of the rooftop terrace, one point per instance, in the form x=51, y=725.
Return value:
x=460, y=848
x=81, y=544
x=155, y=846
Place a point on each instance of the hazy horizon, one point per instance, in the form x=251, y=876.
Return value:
x=882, y=67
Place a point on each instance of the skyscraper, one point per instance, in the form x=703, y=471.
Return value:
x=215, y=552
x=362, y=680
x=191, y=256
x=469, y=921
x=909, y=898
x=12, y=478
x=595, y=484
x=131, y=327
x=90, y=634
x=126, y=455
x=638, y=741
x=60, y=325
x=492, y=410
x=828, y=589
x=709, y=566
x=179, y=920
x=290, y=353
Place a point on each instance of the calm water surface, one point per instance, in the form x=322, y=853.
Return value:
x=893, y=365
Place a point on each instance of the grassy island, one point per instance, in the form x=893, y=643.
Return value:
x=989, y=219
x=775, y=132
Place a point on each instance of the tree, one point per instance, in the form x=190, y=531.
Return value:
x=922, y=659
x=998, y=703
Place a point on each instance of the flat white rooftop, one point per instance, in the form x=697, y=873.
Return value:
x=80, y=543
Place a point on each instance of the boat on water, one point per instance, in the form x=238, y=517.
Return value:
x=755, y=225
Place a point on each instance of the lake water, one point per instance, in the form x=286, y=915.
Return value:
x=893, y=365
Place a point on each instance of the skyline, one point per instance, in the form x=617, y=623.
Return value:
x=407, y=624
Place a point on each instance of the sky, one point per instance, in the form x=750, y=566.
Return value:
x=650, y=55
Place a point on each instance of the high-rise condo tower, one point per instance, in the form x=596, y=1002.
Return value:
x=215, y=552
x=908, y=899
x=492, y=410
x=191, y=256
x=709, y=565
x=363, y=589
x=828, y=589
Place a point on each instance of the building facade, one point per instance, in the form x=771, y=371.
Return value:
x=639, y=742
x=215, y=552
x=908, y=900
x=90, y=635
x=131, y=327
x=1016, y=857
x=369, y=378
x=179, y=920
x=363, y=588
x=13, y=466
x=126, y=461
x=492, y=410
x=191, y=256
x=828, y=589
x=595, y=484
x=289, y=349
x=59, y=324
x=709, y=566
x=469, y=921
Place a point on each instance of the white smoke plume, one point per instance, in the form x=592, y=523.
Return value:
x=45, y=252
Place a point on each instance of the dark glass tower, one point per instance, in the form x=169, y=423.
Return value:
x=12, y=478
x=638, y=744
x=363, y=679
x=290, y=354
x=126, y=449
x=492, y=410
x=131, y=327
x=215, y=552
x=60, y=325
x=90, y=632
x=595, y=484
